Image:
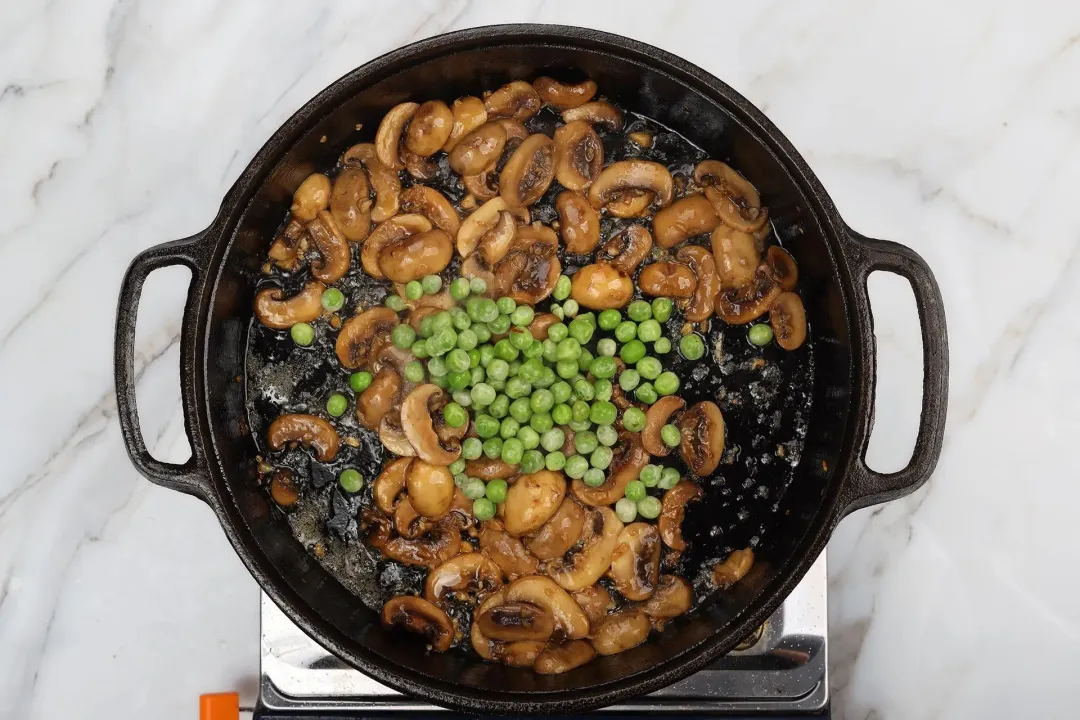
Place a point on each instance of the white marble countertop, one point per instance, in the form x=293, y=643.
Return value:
x=951, y=127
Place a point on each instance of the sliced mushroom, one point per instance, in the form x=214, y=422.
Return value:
x=583, y=567
x=596, y=601
x=507, y=551
x=787, y=316
x=354, y=342
x=515, y=621
x=529, y=171
x=430, y=488
x=469, y=113
x=628, y=459
x=579, y=224
x=667, y=279
x=390, y=483
x=311, y=198
x=733, y=569
x=307, y=430
x=564, y=658
x=392, y=435
x=673, y=597
x=532, y=500
x=560, y=533
x=516, y=132
x=417, y=256
x=490, y=469
x=530, y=270
x=702, y=428
x=388, y=136
x=735, y=198
x=683, y=219
x=782, y=267
x=579, y=155
x=597, y=112
x=474, y=266
x=564, y=96
x=377, y=399
x=430, y=128
x=395, y=230
x=601, y=286
x=420, y=616
x=421, y=168
x=432, y=204
x=417, y=421
x=482, y=221
x=538, y=328
x=384, y=181
x=627, y=249
x=496, y=242
x=479, y=150
x=438, y=545
x=632, y=176
x=484, y=646
x=657, y=417
x=334, y=252
x=281, y=314
x=620, y=632
x=672, y=511
x=350, y=203
x=407, y=522
x=284, y=250
x=701, y=264
x=736, y=256
x=470, y=573
x=570, y=620
x=635, y=563
x=484, y=186
x=739, y=306
x=629, y=204
x=283, y=488
x=517, y=100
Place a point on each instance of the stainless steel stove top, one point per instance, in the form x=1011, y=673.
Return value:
x=784, y=670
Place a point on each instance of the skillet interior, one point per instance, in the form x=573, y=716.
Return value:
x=476, y=62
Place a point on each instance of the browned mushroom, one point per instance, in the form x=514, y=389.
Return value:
x=561, y=532
x=283, y=488
x=486, y=468
x=407, y=522
x=733, y=569
x=484, y=186
x=736, y=256
x=432, y=204
x=284, y=251
x=579, y=224
x=570, y=619
x=507, y=551
x=620, y=632
x=735, y=199
x=358, y=334
x=514, y=621
x=564, y=658
x=635, y=562
x=601, y=286
x=395, y=230
x=739, y=306
x=657, y=417
x=421, y=168
x=522, y=653
x=281, y=314
x=479, y=150
x=672, y=511
x=482, y=221
x=532, y=500
x=517, y=100
x=384, y=181
x=540, y=324
x=417, y=256
x=581, y=568
x=627, y=249
x=388, y=136
x=787, y=316
x=683, y=219
x=629, y=203
x=416, y=419
x=782, y=267
x=422, y=617
x=392, y=435
x=597, y=112
x=673, y=597
x=469, y=113
x=334, y=252
x=667, y=279
x=470, y=573
x=626, y=464
x=596, y=601
x=496, y=242
x=702, y=445
x=378, y=398
x=564, y=96
x=311, y=198
x=701, y=264
x=529, y=171
x=516, y=132
x=350, y=203
x=440, y=543
x=633, y=175
x=389, y=484
x=307, y=430
x=579, y=155
x=430, y=488
x=429, y=129
x=530, y=270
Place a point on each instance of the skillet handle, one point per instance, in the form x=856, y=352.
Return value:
x=867, y=487
x=193, y=476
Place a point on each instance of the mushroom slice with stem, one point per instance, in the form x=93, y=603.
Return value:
x=389, y=484
x=582, y=568
x=667, y=279
x=334, y=252
x=644, y=138
x=529, y=171
x=284, y=251
x=350, y=203
x=482, y=220
x=422, y=617
x=515, y=621
x=564, y=658
x=496, y=242
x=407, y=522
x=702, y=444
x=736, y=256
x=531, y=269
x=739, y=306
x=392, y=436
x=479, y=150
x=283, y=488
x=484, y=186
x=311, y=198
x=560, y=533
x=601, y=286
x=629, y=203
x=672, y=511
x=281, y=314
x=596, y=601
x=487, y=468
x=306, y=430
x=673, y=597
x=532, y=500
x=620, y=632
x=420, y=168
x=733, y=569
x=627, y=249
x=429, y=128
x=375, y=402
x=417, y=422
x=522, y=653
x=632, y=175
x=635, y=563
x=384, y=181
x=358, y=334
x=432, y=204
x=388, y=136
x=563, y=96
x=782, y=267
x=393, y=231
x=570, y=620
x=471, y=574
x=656, y=417
x=440, y=543
x=703, y=302
x=597, y=112
x=417, y=256
x=430, y=488
x=629, y=458
x=469, y=113
x=507, y=551
x=736, y=200
x=579, y=155
x=787, y=316
x=683, y=219
x=517, y=100
x=579, y=224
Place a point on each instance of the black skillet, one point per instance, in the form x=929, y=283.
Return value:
x=829, y=480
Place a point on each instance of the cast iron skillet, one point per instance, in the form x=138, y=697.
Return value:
x=831, y=480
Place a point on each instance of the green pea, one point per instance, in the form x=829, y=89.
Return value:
x=602, y=413
x=446, y=339
x=635, y=490
x=506, y=305
x=460, y=319
x=521, y=338
x=603, y=367
x=496, y=489
x=579, y=426
x=506, y=351
x=576, y=466
x=351, y=480
x=443, y=381
x=557, y=311
x=667, y=383
x=760, y=334
x=602, y=389
x=626, y=510
x=431, y=284
x=662, y=346
x=649, y=508
x=508, y=428
x=394, y=302
x=360, y=381
x=487, y=310
x=629, y=379
x=472, y=448
x=633, y=419
x=459, y=288
x=581, y=330
x=483, y=509
x=458, y=360
x=512, y=450
x=649, y=331
x=601, y=457
x=516, y=388
x=555, y=461
x=500, y=408
x=570, y=308
x=584, y=390
x=639, y=310
x=549, y=347
x=497, y=369
x=499, y=385
x=561, y=414
x=692, y=347
x=669, y=478
x=529, y=438
x=458, y=380
x=584, y=360
x=486, y=426
x=560, y=392
x=520, y=410
x=585, y=442
x=541, y=422
x=552, y=440
x=566, y=369
x=661, y=308
x=427, y=326
x=522, y=316
x=419, y=349
x=646, y=393
x=443, y=320
x=632, y=352
x=462, y=398
x=594, y=477
x=562, y=288
x=545, y=379
x=477, y=286
x=649, y=368
x=568, y=349
x=580, y=411
x=493, y=448
x=414, y=371
x=531, y=461
x=607, y=435
x=482, y=394
x=437, y=367
x=337, y=404
x=650, y=475
x=467, y=340
x=478, y=375
x=609, y=319
x=530, y=370
x=333, y=299
x=302, y=334
x=557, y=332
x=483, y=332
x=606, y=347
x=455, y=415
x=626, y=331
x=542, y=401
x=670, y=435
x=534, y=349
x=499, y=326
x=474, y=488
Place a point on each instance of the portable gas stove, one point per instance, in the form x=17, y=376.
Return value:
x=781, y=671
